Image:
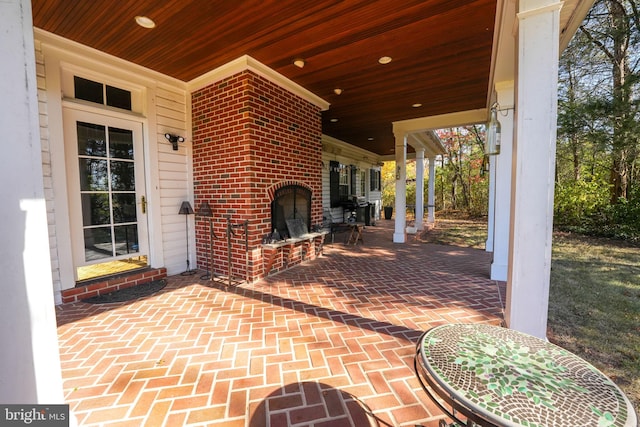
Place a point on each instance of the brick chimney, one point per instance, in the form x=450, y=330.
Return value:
x=250, y=137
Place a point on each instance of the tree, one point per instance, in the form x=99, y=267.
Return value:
x=389, y=184
x=463, y=170
x=461, y=184
x=612, y=27
x=597, y=181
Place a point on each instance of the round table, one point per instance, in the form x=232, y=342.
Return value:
x=495, y=376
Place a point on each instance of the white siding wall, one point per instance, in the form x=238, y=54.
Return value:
x=174, y=173
x=335, y=150
x=46, y=171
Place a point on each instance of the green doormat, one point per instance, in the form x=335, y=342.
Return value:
x=128, y=294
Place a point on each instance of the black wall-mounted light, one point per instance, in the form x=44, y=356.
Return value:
x=174, y=139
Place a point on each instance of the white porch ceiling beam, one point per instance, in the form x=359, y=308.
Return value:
x=449, y=120
x=428, y=141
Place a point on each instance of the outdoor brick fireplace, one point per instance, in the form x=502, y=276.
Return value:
x=290, y=202
x=257, y=157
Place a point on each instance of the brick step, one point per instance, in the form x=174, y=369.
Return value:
x=88, y=289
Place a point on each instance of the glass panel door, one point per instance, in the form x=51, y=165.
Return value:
x=106, y=192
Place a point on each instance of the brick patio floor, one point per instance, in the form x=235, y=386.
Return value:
x=328, y=343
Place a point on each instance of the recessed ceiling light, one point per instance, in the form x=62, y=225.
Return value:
x=145, y=22
x=416, y=105
x=334, y=120
x=370, y=139
x=337, y=91
x=299, y=62
x=384, y=60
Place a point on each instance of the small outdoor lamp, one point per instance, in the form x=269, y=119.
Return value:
x=492, y=140
x=186, y=210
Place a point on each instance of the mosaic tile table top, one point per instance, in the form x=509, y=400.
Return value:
x=513, y=379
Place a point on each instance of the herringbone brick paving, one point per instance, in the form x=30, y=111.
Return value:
x=328, y=343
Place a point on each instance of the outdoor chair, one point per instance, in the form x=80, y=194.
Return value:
x=334, y=224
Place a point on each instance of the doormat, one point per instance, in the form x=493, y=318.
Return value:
x=128, y=294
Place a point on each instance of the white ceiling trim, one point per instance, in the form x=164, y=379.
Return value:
x=103, y=62
x=246, y=62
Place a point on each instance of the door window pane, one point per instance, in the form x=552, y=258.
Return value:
x=122, y=176
x=95, y=209
x=91, y=140
x=120, y=143
x=124, y=207
x=97, y=243
x=126, y=239
x=93, y=175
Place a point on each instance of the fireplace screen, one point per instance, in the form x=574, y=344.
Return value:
x=292, y=202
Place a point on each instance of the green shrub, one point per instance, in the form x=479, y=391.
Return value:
x=577, y=200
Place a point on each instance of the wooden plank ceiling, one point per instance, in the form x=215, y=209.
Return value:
x=441, y=50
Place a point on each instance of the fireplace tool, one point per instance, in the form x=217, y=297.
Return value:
x=229, y=234
x=212, y=236
x=245, y=226
x=205, y=211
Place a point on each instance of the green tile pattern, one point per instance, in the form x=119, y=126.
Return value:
x=520, y=380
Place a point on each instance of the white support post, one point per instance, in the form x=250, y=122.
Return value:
x=400, y=233
x=419, y=190
x=431, y=198
x=534, y=166
x=29, y=361
x=491, y=213
x=502, y=178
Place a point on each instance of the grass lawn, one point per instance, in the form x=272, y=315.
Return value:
x=594, y=304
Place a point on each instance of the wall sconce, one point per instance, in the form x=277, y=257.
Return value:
x=174, y=139
x=492, y=140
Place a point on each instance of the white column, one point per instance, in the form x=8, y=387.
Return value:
x=29, y=359
x=488, y=245
x=419, y=190
x=534, y=166
x=400, y=233
x=431, y=198
x=501, y=166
